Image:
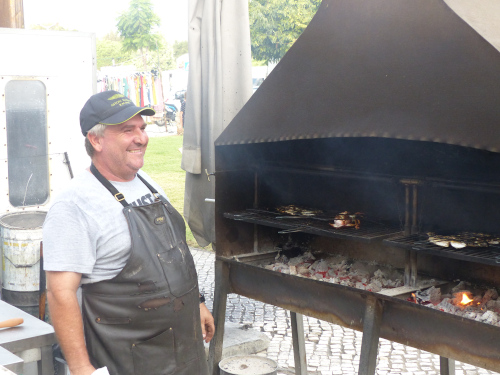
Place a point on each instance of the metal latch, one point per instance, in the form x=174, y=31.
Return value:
x=209, y=174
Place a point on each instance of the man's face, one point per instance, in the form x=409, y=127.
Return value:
x=120, y=153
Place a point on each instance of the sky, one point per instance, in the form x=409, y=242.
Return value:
x=99, y=16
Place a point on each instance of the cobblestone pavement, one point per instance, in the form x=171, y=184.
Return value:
x=330, y=349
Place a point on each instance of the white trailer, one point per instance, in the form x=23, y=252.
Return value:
x=45, y=78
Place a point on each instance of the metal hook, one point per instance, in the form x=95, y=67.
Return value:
x=209, y=174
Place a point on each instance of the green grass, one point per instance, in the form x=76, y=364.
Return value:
x=163, y=164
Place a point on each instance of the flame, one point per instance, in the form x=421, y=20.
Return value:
x=465, y=299
x=413, y=298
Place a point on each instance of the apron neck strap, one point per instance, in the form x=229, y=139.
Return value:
x=155, y=192
x=118, y=196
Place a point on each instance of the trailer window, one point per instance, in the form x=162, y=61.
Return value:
x=26, y=115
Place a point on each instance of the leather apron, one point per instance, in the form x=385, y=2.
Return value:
x=146, y=320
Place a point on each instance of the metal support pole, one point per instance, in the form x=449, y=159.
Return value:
x=371, y=333
x=447, y=366
x=407, y=210
x=219, y=313
x=414, y=220
x=67, y=162
x=256, y=205
x=299, y=345
x=413, y=268
x=45, y=365
x=407, y=280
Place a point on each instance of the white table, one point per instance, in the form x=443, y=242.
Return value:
x=31, y=341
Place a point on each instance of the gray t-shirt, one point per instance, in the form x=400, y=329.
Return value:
x=85, y=230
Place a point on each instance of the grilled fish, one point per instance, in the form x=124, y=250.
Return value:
x=463, y=239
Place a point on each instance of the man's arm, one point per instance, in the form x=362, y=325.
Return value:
x=207, y=323
x=67, y=320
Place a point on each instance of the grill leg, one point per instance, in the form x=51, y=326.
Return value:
x=219, y=313
x=299, y=346
x=371, y=332
x=447, y=366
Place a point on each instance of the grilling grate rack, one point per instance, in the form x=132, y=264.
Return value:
x=417, y=242
x=368, y=231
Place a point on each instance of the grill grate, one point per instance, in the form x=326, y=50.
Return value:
x=486, y=255
x=367, y=232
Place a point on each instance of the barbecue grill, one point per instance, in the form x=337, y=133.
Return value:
x=403, y=98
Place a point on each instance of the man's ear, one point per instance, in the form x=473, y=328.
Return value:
x=95, y=141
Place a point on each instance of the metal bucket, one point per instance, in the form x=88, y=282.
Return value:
x=21, y=234
x=248, y=365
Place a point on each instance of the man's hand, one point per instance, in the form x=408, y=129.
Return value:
x=207, y=323
x=86, y=370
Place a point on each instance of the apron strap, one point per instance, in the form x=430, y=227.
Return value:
x=156, y=194
x=118, y=196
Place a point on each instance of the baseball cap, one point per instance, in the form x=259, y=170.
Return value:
x=109, y=108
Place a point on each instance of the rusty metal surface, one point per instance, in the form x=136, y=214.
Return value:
x=444, y=334
x=12, y=14
x=371, y=332
x=383, y=68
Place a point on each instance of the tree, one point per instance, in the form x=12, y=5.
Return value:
x=109, y=52
x=113, y=36
x=276, y=24
x=136, y=26
x=180, y=48
x=163, y=54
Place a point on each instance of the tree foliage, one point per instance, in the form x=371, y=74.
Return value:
x=180, y=48
x=136, y=25
x=163, y=55
x=276, y=24
x=109, y=51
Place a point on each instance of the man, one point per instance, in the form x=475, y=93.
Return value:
x=113, y=232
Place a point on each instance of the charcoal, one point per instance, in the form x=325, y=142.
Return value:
x=489, y=317
x=461, y=286
x=320, y=266
x=431, y=295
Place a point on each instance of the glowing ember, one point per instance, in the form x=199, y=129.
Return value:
x=465, y=299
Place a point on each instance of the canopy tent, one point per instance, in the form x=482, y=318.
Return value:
x=220, y=83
